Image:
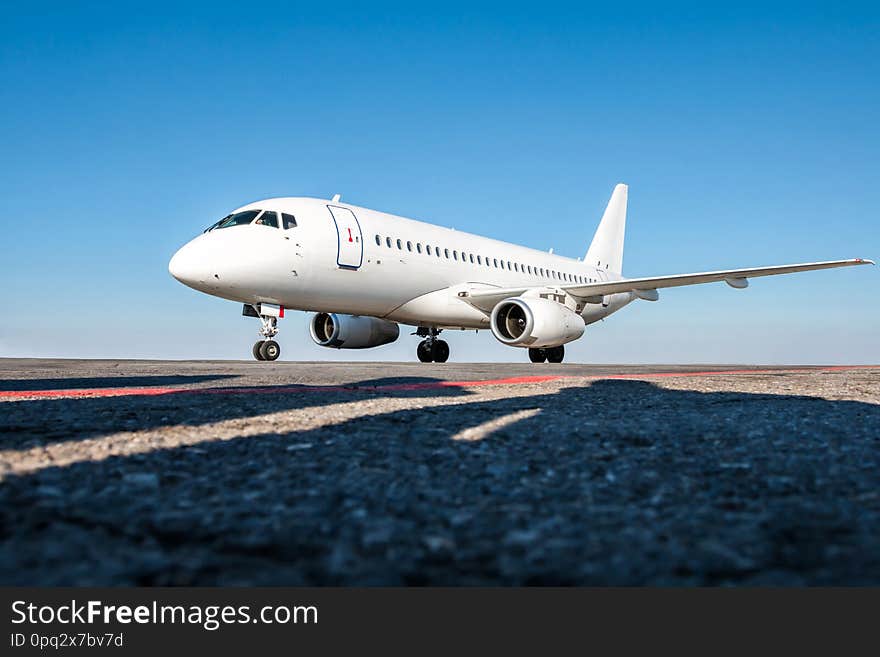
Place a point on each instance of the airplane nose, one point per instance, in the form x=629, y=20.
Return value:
x=184, y=267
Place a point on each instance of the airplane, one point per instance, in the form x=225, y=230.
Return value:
x=363, y=273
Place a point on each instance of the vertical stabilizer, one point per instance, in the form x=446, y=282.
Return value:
x=606, y=249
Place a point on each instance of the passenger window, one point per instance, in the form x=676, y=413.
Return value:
x=399, y=244
x=419, y=247
x=455, y=254
x=288, y=221
x=408, y=245
x=388, y=242
x=268, y=218
x=495, y=261
x=437, y=251
x=428, y=249
x=446, y=253
x=471, y=256
x=479, y=262
x=378, y=241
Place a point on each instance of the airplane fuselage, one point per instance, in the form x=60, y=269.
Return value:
x=341, y=258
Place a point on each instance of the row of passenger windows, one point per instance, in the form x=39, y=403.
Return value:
x=266, y=218
x=452, y=254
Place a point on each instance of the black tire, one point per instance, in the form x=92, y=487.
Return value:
x=556, y=354
x=537, y=355
x=270, y=350
x=256, y=350
x=440, y=351
x=423, y=351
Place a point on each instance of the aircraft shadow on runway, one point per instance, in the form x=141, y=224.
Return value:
x=141, y=381
x=30, y=423
x=617, y=482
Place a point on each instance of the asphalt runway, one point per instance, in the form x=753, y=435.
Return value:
x=245, y=473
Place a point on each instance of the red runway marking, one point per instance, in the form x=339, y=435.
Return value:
x=392, y=387
x=801, y=370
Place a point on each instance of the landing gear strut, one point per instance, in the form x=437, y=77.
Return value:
x=431, y=349
x=550, y=354
x=267, y=348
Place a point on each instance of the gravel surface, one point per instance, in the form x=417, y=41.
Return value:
x=305, y=473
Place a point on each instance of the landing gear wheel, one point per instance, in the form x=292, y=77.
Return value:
x=270, y=350
x=424, y=352
x=556, y=354
x=256, y=350
x=537, y=355
x=440, y=351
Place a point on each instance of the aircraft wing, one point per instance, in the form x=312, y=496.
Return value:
x=646, y=288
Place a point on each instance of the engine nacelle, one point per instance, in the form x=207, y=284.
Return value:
x=535, y=322
x=351, y=331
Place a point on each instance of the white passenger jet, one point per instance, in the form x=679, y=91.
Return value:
x=363, y=273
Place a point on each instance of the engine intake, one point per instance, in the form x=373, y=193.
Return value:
x=522, y=322
x=351, y=331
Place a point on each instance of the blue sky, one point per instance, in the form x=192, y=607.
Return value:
x=748, y=136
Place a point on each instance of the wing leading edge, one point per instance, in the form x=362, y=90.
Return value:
x=646, y=287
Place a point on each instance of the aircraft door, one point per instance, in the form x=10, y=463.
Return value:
x=350, y=253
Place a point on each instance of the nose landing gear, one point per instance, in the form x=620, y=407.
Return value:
x=431, y=349
x=267, y=348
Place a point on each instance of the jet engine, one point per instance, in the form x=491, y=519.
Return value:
x=535, y=322
x=351, y=331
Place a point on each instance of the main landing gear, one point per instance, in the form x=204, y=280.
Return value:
x=550, y=354
x=267, y=348
x=431, y=349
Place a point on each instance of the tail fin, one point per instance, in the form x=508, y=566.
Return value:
x=606, y=249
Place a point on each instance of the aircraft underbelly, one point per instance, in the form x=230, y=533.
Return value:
x=440, y=308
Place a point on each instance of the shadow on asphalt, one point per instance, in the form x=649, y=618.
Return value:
x=74, y=383
x=618, y=482
x=31, y=423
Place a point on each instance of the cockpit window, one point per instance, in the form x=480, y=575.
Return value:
x=237, y=219
x=268, y=218
x=288, y=220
